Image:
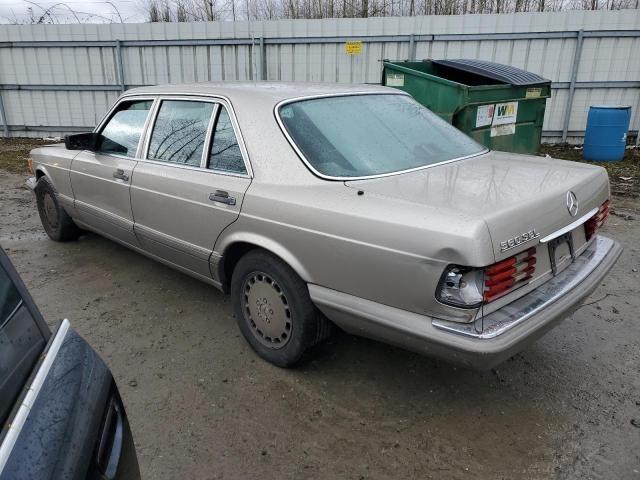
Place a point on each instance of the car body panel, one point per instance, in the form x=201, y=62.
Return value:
x=174, y=216
x=511, y=196
x=100, y=199
x=423, y=334
x=346, y=232
x=54, y=161
x=65, y=416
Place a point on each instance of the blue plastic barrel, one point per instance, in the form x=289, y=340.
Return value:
x=606, y=135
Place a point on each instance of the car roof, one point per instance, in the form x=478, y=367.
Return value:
x=260, y=91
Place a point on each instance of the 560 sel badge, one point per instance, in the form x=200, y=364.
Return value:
x=518, y=240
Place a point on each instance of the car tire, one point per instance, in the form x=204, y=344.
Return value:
x=55, y=221
x=273, y=308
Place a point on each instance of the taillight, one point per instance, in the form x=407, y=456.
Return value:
x=471, y=287
x=592, y=225
x=502, y=277
x=30, y=165
x=461, y=287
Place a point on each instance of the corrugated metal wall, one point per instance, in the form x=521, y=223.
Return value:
x=60, y=78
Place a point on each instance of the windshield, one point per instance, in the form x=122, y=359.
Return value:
x=363, y=135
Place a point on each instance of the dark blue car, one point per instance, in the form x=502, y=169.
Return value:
x=60, y=411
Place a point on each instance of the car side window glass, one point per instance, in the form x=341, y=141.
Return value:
x=21, y=343
x=225, y=154
x=122, y=132
x=179, y=132
x=9, y=297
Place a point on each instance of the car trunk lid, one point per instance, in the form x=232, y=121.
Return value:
x=522, y=199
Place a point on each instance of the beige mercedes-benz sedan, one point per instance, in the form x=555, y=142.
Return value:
x=316, y=205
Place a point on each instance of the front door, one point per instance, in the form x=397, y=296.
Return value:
x=191, y=183
x=101, y=180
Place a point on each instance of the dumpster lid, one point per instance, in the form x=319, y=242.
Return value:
x=495, y=71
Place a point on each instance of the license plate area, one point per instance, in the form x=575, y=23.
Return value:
x=561, y=252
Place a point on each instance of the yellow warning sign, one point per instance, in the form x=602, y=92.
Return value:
x=353, y=48
x=533, y=93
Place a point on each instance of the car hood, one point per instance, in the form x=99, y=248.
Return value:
x=512, y=193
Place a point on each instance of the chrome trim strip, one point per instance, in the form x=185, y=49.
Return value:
x=189, y=167
x=146, y=253
x=104, y=215
x=276, y=113
x=206, y=147
x=173, y=242
x=570, y=227
x=527, y=306
x=12, y=313
x=146, y=130
x=16, y=425
x=66, y=200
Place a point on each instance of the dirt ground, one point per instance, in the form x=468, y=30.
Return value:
x=203, y=406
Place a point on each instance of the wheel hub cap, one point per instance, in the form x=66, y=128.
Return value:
x=267, y=310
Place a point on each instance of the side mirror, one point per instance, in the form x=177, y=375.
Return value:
x=81, y=141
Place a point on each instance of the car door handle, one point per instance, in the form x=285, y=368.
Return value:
x=221, y=196
x=120, y=175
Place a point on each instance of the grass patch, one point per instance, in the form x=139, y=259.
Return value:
x=14, y=153
x=624, y=175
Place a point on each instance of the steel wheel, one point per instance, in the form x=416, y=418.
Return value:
x=267, y=310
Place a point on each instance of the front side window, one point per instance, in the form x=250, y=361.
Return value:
x=363, y=135
x=180, y=131
x=225, y=155
x=122, y=132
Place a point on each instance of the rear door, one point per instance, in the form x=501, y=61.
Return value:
x=101, y=180
x=190, y=183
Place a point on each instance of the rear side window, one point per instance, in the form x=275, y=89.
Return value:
x=225, y=155
x=180, y=131
x=21, y=343
x=122, y=132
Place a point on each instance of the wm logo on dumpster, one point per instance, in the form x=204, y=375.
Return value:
x=506, y=109
x=505, y=113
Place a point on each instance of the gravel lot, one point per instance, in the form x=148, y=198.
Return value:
x=203, y=406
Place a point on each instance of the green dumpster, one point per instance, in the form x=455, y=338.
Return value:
x=500, y=106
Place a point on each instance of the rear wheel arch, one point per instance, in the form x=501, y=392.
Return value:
x=274, y=310
x=234, y=250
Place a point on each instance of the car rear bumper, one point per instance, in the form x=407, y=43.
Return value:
x=488, y=341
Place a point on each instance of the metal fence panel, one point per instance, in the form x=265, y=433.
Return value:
x=55, y=79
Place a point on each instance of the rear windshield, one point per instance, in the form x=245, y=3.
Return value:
x=362, y=135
